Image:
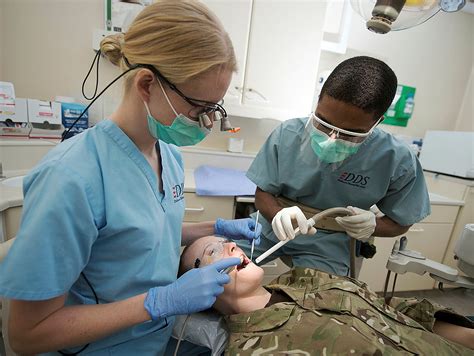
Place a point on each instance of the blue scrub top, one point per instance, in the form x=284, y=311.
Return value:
x=384, y=171
x=93, y=205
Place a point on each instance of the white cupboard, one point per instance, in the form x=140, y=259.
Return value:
x=278, y=45
x=337, y=26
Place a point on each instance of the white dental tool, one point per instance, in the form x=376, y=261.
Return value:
x=253, y=241
x=311, y=222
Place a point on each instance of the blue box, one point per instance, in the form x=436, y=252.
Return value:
x=69, y=113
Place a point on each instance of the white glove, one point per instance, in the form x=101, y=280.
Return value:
x=360, y=225
x=283, y=228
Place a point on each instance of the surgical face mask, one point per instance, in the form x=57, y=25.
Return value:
x=331, y=150
x=332, y=144
x=182, y=132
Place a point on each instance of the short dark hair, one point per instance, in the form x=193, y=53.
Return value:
x=183, y=268
x=364, y=82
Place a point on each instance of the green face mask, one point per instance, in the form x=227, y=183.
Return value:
x=182, y=132
x=331, y=150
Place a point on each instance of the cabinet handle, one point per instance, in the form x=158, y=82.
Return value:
x=416, y=230
x=194, y=210
x=250, y=90
x=270, y=264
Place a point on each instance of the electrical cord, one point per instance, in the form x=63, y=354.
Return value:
x=94, y=97
x=96, y=58
x=181, y=334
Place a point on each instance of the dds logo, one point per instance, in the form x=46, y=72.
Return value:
x=354, y=179
x=178, y=192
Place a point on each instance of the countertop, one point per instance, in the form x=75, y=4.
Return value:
x=12, y=197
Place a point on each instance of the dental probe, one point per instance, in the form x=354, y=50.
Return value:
x=253, y=241
x=228, y=269
x=311, y=222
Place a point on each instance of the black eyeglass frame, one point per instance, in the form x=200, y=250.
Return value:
x=198, y=103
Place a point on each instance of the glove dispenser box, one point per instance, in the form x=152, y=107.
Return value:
x=14, y=119
x=45, y=119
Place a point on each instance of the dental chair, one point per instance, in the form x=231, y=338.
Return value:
x=403, y=260
x=5, y=304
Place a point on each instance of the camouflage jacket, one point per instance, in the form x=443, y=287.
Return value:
x=333, y=315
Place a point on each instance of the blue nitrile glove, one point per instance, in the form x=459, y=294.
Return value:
x=238, y=229
x=194, y=291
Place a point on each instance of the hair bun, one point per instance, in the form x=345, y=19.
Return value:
x=111, y=48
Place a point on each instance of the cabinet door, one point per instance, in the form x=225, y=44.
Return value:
x=466, y=216
x=283, y=56
x=201, y=208
x=235, y=16
x=429, y=239
x=336, y=26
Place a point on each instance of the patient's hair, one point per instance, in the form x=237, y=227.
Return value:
x=364, y=82
x=183, y=266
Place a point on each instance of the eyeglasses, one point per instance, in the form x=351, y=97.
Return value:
x=212, y=252
x=337, y=132
x=203, y=111
x=214, y=111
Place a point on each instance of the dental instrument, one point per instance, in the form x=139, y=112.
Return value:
x=227, y=270
x=311, y=222
x=253, y=241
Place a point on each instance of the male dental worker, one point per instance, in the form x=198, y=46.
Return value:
x=338, y=157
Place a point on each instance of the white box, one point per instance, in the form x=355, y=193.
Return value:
x=45, y=118
x=14, y=119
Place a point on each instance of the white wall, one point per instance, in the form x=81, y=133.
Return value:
x=435, y=57
x=49, y=47
x=465, y=121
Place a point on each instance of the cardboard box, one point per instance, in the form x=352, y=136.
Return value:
x=45, y=118
x=14, y=119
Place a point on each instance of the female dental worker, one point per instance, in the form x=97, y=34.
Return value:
x=93, y=269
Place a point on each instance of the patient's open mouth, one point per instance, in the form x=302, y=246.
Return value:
x=245, y=262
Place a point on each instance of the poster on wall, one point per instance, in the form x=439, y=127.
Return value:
x=121, y=13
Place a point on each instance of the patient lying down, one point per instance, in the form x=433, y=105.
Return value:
x=307, y=312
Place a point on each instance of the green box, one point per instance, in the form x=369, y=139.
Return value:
x=401, y=109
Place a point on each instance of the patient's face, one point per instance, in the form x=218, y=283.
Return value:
x=245, y=278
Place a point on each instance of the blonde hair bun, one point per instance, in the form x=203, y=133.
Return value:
x=180, y=38
x=111, y=48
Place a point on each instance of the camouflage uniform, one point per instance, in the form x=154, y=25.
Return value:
x=332, y=315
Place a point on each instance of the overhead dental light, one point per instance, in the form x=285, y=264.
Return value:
x=383, y=16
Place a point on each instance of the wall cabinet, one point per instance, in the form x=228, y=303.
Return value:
x=278, y=45
x=337, y=25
